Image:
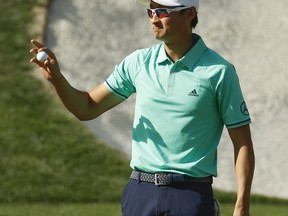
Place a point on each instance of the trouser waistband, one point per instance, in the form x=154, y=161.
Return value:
x=168, y=178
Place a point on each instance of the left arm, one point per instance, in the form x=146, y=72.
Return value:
x=244, y=167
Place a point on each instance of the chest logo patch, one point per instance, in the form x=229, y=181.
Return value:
x=193, y=93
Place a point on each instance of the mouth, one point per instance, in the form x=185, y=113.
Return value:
x=156, y=28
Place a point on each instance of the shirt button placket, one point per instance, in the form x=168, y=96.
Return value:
x=171, y=81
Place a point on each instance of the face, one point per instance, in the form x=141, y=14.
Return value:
x=172, y=28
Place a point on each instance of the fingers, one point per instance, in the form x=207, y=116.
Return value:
x=49, y=52
x=40, y=47
x=39, y=63
x=50, y=67
x=36, y=43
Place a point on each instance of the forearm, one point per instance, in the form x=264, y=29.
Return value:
x=76, y=101
x=244, y=166
x=84, y=105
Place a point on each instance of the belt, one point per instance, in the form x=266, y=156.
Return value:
x=167, y=178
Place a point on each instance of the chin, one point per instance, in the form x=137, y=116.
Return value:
x=163, y=39
x=158, y=33
x=158, y=36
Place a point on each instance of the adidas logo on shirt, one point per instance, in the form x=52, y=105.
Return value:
x=193, y=93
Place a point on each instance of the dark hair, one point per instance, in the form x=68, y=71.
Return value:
x=194, y=22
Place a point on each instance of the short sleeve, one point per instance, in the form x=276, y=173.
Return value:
x=231, y=103
x=120, y=82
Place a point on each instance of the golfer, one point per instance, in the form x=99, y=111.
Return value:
x=185, y=94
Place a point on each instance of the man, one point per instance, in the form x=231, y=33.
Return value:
x=185, y=94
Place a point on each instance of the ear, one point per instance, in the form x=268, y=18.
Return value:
x=191, y=13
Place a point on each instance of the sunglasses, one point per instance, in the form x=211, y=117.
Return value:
x=163, y=12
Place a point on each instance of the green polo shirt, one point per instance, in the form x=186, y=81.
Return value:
x=181, y=107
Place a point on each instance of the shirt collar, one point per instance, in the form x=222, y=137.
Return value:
x=191, y=57
x=162, y=55
x=195, y=53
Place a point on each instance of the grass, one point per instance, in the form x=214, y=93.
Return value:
x=113, y=209
x=258, y=210
x=50, y=164
x=46, y=155
x=76, y=209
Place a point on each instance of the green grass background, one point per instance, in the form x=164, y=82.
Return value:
x=46, y=155
x=50, y=164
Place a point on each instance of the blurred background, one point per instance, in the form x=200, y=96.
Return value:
x=53, y=164
x=91, y=37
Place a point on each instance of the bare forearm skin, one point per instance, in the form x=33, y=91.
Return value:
x=244, y=168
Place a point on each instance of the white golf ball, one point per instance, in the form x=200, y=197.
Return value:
x=42, y=56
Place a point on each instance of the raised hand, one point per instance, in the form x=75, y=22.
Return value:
x=50, y=67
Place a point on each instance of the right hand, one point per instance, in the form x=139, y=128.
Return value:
x=50, y=67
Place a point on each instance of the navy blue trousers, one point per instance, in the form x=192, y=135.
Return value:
x=147, y=199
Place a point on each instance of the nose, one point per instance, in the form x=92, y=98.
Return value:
x=154, y=18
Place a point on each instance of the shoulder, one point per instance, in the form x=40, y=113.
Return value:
x=216, y=66
x=216, y=69
x=212, y=58
x=210, y=63
x=138, y=59
x=141, y=55
x=133, y=63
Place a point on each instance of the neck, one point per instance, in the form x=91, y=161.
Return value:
x=177, y=49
